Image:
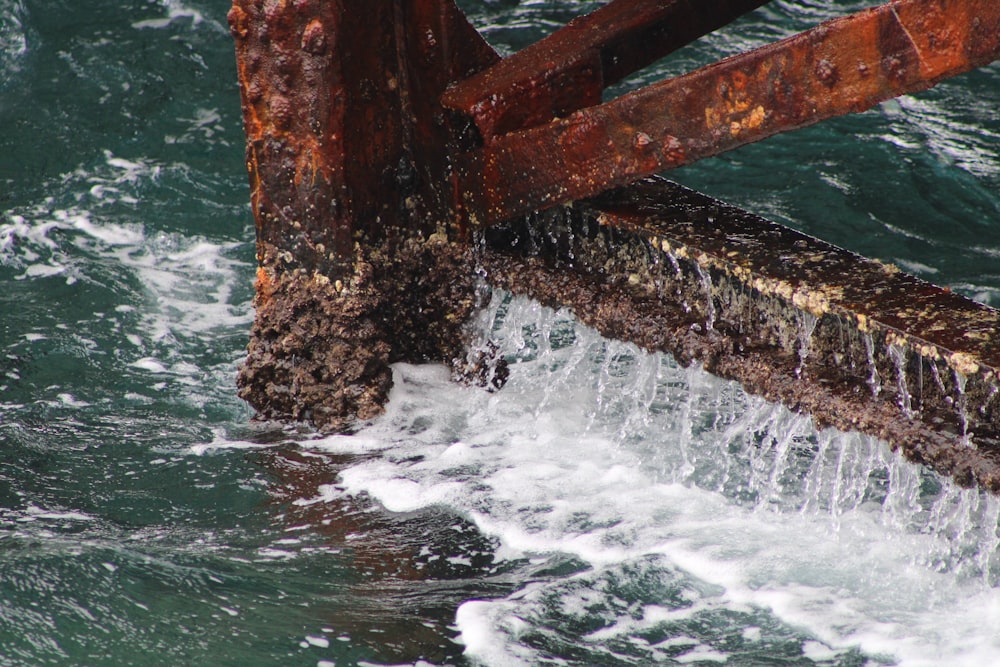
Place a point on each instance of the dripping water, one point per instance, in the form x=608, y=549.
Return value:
x=570, y=239
x=961, y=407
x=705, y=276
x=898, y=355
x=674, y=263
x=936, y=374
x=655, y=261
x=806, y=327
x=874, y=381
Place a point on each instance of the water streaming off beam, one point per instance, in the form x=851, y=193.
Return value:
x=657, y=513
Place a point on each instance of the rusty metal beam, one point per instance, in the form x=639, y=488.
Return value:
x=569, y=69
x=842, y=66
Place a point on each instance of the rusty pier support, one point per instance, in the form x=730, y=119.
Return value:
x=362, y=230
x=383, y=149
x=363, y=259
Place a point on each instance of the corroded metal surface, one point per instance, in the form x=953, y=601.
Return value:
x=569, y=69
x=345, y=140
x=855, y=343
x=842, y=66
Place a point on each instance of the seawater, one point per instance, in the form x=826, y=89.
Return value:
x=607, y=507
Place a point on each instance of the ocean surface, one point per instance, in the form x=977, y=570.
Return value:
x=606, y=508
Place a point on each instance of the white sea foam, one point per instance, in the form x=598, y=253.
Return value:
x=204, y=126
x=190, y=279
x=193, y=281
x=613, y=456
x=34, y=512
x=935, y=127
x=490, y=636
x=176, y=10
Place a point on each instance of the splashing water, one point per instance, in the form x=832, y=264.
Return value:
x=657, y=513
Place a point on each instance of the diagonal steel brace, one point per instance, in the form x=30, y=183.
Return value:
x=569, y=69
x=842, y=66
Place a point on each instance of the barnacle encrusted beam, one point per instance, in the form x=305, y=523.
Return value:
x=856, y=343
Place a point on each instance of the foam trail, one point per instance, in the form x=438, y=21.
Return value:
x=176, y=10
x=13, y=40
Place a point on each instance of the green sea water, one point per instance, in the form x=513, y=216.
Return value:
x=606, y=508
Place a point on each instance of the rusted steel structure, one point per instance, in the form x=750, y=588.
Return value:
x=390, y=157
x=357, y=236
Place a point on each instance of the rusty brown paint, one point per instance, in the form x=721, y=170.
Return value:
x=569, y=69
x=845, y=65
